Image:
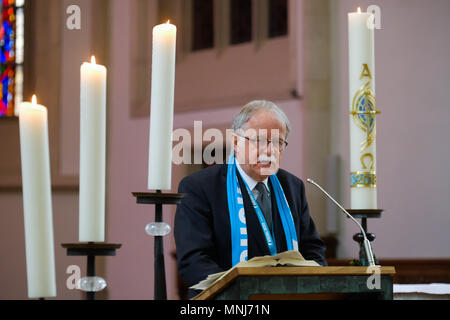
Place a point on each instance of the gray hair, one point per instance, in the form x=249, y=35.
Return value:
x=241, y=119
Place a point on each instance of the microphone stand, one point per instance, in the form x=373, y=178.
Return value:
x=367, y=246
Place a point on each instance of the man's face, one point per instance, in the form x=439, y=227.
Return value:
x=258, y=158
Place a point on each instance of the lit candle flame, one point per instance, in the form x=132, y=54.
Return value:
x=359, y=10
x=34, y=100
x=93, y=60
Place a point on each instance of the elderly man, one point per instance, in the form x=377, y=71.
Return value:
x=247, y=207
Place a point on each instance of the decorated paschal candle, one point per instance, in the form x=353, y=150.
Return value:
x=362, y=111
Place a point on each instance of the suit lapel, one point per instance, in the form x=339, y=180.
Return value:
x=280, y=238
x=226, y=211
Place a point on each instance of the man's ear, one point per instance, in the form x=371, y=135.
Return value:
x=234, y=142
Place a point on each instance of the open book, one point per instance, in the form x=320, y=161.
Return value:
x=287, y=258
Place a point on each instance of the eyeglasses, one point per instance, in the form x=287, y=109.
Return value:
x=278, y=144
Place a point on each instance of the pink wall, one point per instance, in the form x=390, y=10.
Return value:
x=412, y=53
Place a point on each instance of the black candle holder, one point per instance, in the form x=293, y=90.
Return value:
x=364, y=214
x=158, y=229
x=91, y=250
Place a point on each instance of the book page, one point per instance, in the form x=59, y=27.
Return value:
x=287, y=258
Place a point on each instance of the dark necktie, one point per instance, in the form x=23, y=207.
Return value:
x=264, y=203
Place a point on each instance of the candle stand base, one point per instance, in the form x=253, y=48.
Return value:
x=158, y=229
x=364, y=214
x=91, y=284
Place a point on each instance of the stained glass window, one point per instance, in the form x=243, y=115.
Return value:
x=11, y=56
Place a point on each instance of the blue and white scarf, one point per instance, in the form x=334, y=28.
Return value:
x=239, y=236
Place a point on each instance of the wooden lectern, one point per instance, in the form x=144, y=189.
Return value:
x=303, y=283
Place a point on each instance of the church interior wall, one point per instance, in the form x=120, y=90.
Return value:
x=412, y=79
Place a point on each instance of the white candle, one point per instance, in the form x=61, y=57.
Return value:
x=92, y=152
x=362, y=100
x=37, y=200
x=161, y=113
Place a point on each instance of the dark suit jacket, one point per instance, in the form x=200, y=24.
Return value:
x=202, y=224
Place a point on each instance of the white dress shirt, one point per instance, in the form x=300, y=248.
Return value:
x=251, y=182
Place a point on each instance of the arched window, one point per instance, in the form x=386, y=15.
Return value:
x=11, y=56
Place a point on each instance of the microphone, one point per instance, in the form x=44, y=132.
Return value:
x=367, y=246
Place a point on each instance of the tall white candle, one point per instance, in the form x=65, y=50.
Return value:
x=362, y=111
x=92, y=152
x=161, y=113
x=37, y=200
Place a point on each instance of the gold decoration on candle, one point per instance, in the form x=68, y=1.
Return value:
x=365, y=72
x=364, y=112
x=363, y=179
x=371, y=158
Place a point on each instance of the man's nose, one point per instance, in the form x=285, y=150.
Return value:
x=266, y=148
x=269, y=148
